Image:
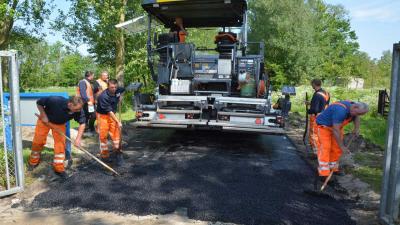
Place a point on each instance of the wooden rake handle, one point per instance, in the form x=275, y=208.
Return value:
x=331, y=173
x=80, y=148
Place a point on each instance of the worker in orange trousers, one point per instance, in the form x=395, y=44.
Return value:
x=107, y=121
x=331, y=123
x=55, y=111
x=319, y=102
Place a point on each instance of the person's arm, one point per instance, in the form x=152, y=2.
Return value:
x=356, y=130
x=82, y=90
x=78, y=139
x=314, y=105
x=114, y=117
x=337, y=135
x=81, y=119
x=40, y=105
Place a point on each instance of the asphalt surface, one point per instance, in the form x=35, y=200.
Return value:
x=227, y=177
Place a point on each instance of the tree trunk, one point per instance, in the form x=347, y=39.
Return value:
x=120, y=47
x=5, y=30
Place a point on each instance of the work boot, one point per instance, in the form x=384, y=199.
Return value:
x=60, y=176
x=107, y=160
x=32, y=167
x=119, y=159
x=339, y=173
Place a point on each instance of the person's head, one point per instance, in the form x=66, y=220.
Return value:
x=316, y=84
x=112, y=86
x=75, y=104
x=179, y=21
x=104, y=76
x=89, y=75
x=359, y=109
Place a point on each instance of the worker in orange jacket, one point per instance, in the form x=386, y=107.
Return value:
x=56, y=111
x=319, y=103
x=85, y=91
x=100, y=84
x=331, y=123
x=107, y=121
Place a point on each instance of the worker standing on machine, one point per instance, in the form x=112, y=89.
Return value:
x=331, y=123
x=55, y=111
x=179, y=29
x=319, y=102
x=107, y=121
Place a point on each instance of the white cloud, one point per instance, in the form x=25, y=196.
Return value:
x=378, y=11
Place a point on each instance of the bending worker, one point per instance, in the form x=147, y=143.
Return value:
x=319, y=102
x=330, y=133
x=85, y=91
x=55, y=111
x=107, y=121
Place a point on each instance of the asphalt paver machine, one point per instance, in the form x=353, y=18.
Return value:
x=224, y=88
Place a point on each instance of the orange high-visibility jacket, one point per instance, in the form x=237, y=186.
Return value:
x=89, y=92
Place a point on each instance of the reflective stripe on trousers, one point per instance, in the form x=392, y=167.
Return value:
x=329, y=151
x=107, y=125
x=39, y=140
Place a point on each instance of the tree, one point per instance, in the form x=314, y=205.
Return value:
x=93, y=22
x=284, y=27
x=31, y=13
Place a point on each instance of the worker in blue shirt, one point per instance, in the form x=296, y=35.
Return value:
x=85, y=91
x=319, y=102
x=55, y=111
x=107, y=121
x=331, y=123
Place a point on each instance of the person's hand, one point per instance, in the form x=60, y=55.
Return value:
x=77, y=142
x=345, y=149
x=44, y=118
x=119, y=124
x=356, y=132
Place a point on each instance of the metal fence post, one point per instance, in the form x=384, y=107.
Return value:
x=390, y=195
x=13, y=157
x=16, y=120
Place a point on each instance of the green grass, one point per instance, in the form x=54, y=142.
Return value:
x=373, y=126
x=372, y=176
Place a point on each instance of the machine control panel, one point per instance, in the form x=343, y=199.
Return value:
x=246, y=66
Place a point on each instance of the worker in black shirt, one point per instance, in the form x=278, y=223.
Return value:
x=56, y=111
x=319, y=103
x=179, y=29
x=107, y=121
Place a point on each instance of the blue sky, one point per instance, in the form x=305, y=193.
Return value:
x=376, y=22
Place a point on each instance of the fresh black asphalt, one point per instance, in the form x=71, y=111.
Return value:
x=227, y=177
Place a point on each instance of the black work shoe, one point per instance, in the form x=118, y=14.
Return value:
x=32, y=167
x=339, y=173
x=107, y=160
x=119, y=159
x=62, y=176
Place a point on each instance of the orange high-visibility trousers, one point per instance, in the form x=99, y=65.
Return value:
x=106, y=125
x=313, y=133
x=329, y=151
x=39, y=140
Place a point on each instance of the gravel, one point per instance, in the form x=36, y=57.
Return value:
x=226, y=177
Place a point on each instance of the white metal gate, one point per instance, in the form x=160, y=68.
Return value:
x=11, y=158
